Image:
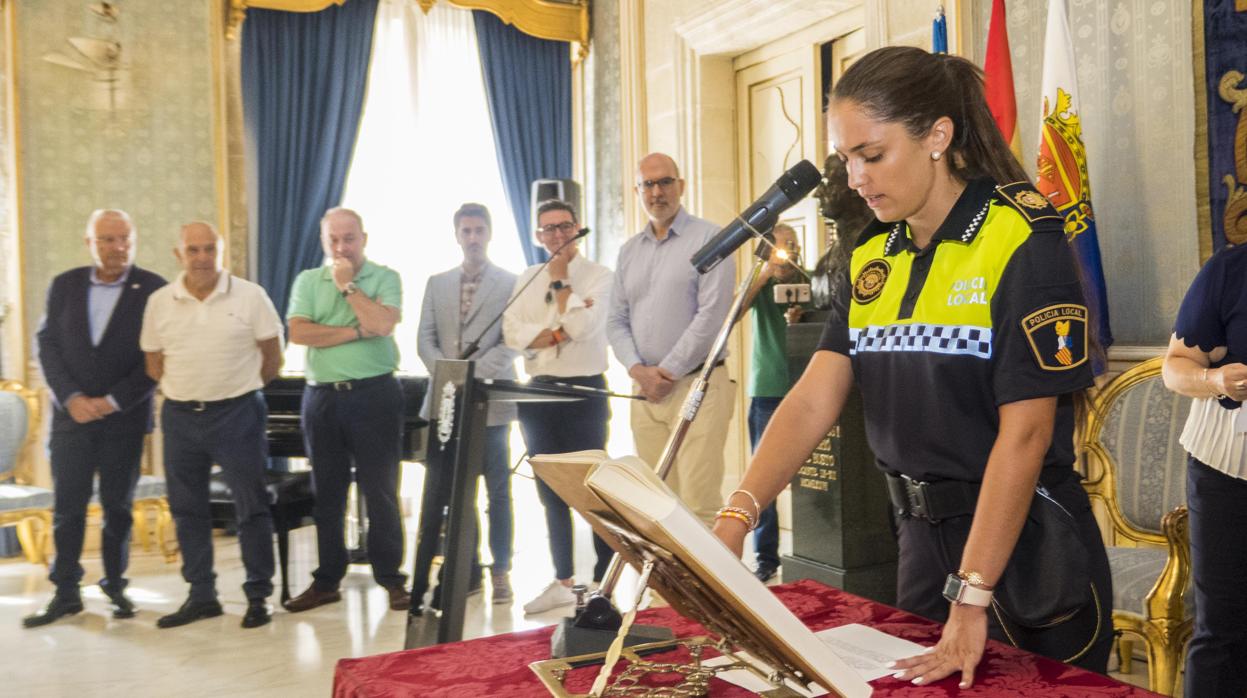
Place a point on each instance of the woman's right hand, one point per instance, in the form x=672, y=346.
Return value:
x=732, y=533
x=1230, y=380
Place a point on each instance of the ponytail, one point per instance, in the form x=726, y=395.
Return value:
x=913, y=87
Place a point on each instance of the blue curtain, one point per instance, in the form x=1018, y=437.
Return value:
x=303, y=81
x=528, y=82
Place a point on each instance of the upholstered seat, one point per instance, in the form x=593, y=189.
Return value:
x=27, y=507
x=150, y=501
x=1137, y=470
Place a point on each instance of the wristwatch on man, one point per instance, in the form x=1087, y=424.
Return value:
x=350, y=288
x=558, y=285
x=960, y=590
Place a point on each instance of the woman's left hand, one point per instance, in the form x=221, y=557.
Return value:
x=960, y=648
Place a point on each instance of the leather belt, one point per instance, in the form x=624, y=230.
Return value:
x=931, y=501
x=697, y=369
x=205, y=405
x=353, y=384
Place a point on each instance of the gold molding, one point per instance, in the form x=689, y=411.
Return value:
x=15, y=352
x=1203, y=207
x=220, y=125
x=558, y=21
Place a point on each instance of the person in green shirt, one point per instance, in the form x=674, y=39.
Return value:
x=768, y=372
x=345, y=313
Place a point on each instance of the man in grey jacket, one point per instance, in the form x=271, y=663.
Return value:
x=458, y=305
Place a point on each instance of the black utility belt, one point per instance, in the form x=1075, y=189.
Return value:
x=697, y=369
x=205, y=405
x=931, y=501
x=353, y=384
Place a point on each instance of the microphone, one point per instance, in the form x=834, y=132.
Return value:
x=761, y=215
x=476, y=343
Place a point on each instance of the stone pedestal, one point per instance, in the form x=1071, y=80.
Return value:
x=841, y=518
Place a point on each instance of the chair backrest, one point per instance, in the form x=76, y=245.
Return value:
x=1140, y=421
x=19, y=424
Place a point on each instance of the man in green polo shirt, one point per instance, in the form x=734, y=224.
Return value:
x=768, y=372
x=345, y=313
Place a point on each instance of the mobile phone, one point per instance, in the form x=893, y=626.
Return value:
x=788, y=294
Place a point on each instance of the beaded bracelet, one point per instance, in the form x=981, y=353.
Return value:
x=738, y=514
x=757, y=510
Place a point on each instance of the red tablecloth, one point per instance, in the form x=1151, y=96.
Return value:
x=498, y=665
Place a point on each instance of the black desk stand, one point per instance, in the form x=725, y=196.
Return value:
x=456, y=448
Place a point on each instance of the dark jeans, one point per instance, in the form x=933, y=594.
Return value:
x=563, y=427
x=1217, y=655
x=231, y=435
x=930, y=552
x=76, y=456
x=497, y=473
x=361, y=427
x=766, y=535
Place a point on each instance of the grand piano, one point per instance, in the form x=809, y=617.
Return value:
x=290, y=491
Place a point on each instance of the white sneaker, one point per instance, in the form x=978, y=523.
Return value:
x=550, y=598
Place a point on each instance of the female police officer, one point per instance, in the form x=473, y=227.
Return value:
x=966, y=333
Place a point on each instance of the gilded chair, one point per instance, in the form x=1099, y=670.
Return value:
x=29, y=508
x=1137, y=471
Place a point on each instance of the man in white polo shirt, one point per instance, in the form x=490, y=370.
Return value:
x=212, y=340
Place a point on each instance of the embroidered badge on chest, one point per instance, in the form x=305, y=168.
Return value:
x=870, y=280
x=1058, y=336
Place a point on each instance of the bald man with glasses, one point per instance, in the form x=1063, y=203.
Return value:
x=663, y=320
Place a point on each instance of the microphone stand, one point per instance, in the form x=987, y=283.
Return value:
x=476, y=343
x=595, y=623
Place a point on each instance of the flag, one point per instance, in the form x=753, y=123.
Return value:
x=939, y=32
x=1062, y=165
x=998, y=85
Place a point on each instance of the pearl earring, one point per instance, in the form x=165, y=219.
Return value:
x=935, y=154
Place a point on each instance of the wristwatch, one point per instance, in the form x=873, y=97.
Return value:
x=350, y=288
x=961, y=591
x=558, y=285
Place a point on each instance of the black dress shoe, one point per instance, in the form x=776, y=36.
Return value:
x=257, y=614
x=190, y=612
x=122, y=606
x=765, y=572
x=59, y=607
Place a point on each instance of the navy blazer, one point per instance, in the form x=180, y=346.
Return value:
x=71, y=364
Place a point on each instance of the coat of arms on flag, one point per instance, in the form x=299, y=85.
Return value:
x=1062, y=174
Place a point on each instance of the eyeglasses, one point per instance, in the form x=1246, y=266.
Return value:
x=564, y=227
x=648, y=184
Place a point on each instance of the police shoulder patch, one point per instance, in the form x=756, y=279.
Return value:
x=1026, y=200
x=870, y=280
x=1058, y=336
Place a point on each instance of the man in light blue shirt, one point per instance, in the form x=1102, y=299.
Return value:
x=663, y=320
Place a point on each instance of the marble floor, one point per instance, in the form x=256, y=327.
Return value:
x=91, y=654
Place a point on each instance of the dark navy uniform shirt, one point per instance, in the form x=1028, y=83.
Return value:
x=990, y=312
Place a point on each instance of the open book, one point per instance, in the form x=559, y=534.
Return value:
x=641, y=518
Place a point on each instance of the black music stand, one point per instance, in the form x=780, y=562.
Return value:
x=456, y=448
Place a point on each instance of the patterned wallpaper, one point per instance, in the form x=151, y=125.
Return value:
x=152, y=154
x=603, y=136
x=1136, y=87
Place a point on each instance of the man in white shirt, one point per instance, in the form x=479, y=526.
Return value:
x=212, y=340
x=559, y=324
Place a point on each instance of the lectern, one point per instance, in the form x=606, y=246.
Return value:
x=456, y=448
x=842, y=534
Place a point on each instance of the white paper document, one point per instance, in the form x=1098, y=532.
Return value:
x=866, y=650
x=1240, y=421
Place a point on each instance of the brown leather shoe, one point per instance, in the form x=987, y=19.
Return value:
x=312, y=598
x=400, y=598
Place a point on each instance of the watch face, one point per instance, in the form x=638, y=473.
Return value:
x=952, y=588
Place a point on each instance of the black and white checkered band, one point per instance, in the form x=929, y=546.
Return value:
x=940, y=339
